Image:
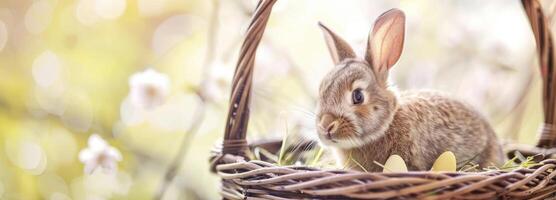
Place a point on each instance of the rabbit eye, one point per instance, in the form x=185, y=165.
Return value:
x=357, y=96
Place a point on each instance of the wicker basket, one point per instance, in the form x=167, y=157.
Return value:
x=255, y=179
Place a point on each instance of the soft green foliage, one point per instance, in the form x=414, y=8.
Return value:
x=519, y=161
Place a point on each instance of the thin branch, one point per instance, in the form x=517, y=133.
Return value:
x=518, y=108
x=199, y=114
x=184, y=147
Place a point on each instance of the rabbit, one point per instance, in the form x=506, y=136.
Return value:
x=365, y=121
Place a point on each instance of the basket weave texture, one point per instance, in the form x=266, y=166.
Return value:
x=255, y=179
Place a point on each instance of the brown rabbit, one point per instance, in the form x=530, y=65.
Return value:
x=367, y=121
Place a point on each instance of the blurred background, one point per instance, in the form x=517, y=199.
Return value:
x=150, y=80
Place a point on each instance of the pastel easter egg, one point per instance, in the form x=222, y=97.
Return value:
x=395, y=163
x=446, y=162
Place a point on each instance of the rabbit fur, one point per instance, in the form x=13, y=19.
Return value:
x=366, y=121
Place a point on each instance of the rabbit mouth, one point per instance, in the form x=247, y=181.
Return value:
x=329, y=137
x=347, y=136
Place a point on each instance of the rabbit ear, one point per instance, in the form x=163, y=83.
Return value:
x=339, y=49
x=385, y=42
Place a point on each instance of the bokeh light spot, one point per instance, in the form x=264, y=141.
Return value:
x=49, y=99
x=27, y=155
x=3, y=35
x=46, y=69
x=110, y=9
x=151, y=8
x=171, y=32
x=38, y=16
x=85, y=13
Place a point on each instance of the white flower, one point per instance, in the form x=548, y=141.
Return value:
x=149, y=88
x=99, y=154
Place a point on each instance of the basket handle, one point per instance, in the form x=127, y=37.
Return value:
x=545, y=51
x=240, y=98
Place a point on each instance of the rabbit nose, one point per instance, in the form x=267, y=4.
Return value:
x=332, y=128
x=328, y=124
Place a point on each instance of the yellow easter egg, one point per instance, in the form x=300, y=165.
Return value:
x=446, y=162
x=394, y=163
